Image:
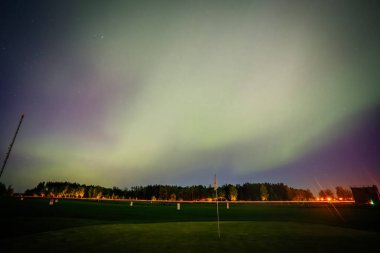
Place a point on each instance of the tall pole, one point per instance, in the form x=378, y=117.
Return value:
x=11, y=145
x=217, y=212
x=217, y=203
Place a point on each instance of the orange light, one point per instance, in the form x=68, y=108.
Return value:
x=328, y=199
x=340, y=198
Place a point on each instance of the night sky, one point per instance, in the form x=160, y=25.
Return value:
x=124, y=93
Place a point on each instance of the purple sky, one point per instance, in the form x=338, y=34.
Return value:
x=123, y=93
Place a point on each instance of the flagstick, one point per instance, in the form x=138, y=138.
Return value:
x=217, y=210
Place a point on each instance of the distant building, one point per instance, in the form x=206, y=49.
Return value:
x=366, y=195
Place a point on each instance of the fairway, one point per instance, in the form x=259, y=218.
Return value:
x=199, y=237
x=115, y=226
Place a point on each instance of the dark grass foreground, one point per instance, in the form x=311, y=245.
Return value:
x=90, y=226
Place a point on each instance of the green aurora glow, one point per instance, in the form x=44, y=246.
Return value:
x=125, y=94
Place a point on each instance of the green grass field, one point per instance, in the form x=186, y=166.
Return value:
x=32, y=225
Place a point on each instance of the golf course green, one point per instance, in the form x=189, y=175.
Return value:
x=32, y=225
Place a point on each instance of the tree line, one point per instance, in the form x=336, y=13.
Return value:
x=247, y=191
x=341, y=194
x=5, y=191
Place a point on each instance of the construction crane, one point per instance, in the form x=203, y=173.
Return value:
x=11, y=145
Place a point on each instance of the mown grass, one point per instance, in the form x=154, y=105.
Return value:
x=112, y=226
x=248, y=236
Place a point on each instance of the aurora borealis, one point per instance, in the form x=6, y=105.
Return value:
x=140, y=92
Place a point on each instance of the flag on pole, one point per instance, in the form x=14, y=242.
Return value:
x=215, y=183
